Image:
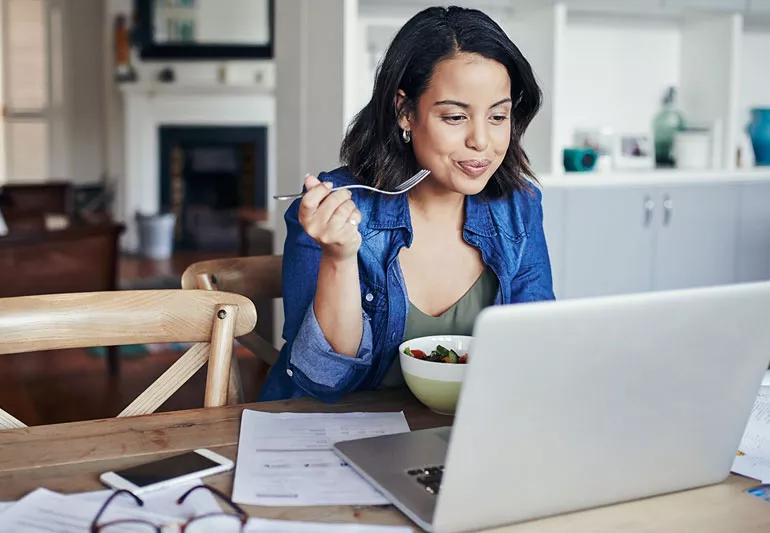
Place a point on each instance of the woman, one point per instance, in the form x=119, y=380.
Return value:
x=365, y=271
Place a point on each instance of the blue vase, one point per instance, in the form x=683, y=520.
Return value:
x=759, y=130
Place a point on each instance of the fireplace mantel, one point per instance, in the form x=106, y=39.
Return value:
x=147, y=106
x=151, y=89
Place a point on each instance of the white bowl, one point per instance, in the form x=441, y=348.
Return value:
x=437, y=385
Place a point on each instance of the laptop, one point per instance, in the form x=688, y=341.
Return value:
x=580, y=403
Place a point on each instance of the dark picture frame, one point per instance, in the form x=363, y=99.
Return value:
x=151, y=50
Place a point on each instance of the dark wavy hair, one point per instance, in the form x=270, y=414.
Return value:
x=373, y=149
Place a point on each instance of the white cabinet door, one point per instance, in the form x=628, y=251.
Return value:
x=759, y=6
x=753, y=255
x=737, y=6
x=696, y=236
x=609, y=241
x=613, y=6
x=553, y=224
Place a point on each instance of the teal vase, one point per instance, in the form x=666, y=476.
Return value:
x=666, y=123
x=759, y=131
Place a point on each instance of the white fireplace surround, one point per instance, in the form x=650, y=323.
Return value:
x=149, y=106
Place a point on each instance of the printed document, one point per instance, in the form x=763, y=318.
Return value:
x=162, y=501
x=45, y=510
x=753, y=459
x=262, y=525
x=287, y=459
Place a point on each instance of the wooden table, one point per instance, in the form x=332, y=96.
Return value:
x=69, y=458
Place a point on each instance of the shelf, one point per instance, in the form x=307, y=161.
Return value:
x=606, y=64
x=655, y=177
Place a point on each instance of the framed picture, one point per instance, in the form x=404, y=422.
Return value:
x=601, y=140
x=204, y=29
x=633, y=151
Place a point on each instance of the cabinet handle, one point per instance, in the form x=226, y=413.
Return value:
x=649, y=210
x=668, y=210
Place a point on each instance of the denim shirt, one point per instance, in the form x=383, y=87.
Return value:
x=507, y=231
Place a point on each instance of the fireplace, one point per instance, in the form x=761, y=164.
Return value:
x=208, y=176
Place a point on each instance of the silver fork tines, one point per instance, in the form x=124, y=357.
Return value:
x=400, y=189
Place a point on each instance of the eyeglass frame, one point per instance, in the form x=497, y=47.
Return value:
x=239, y=512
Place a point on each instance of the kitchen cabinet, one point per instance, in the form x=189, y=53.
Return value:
x=695, y=236
x=759, y=6
x=608, y=241
x=625, y=239
x=706, y=5
x=753, y=247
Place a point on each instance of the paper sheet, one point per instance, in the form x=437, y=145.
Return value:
x=286, y=458
x=261, y=525
x=5, y=505
x=753, y=458
x=162, y=501
x=43, y=511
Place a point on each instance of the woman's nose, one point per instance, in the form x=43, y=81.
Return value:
x=478, y=138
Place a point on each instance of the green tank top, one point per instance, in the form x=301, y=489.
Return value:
x=457, y=320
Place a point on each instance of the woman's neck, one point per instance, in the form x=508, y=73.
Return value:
x=437, y=204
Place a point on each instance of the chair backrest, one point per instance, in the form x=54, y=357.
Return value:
x=209, y=319
x=254, y=277
x=257, y=278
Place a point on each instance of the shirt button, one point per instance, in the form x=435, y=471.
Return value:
x=369, y=297
x=289, y=372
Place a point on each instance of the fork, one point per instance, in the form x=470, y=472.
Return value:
x=400, y=188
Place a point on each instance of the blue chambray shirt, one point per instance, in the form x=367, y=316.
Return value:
x=507, y=231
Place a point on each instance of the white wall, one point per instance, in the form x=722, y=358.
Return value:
x=86, y=109
x=615, y=73
x=311, y=111
x=755, y=75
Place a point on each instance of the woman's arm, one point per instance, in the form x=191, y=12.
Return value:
x=314, y=365
x=331, y=219
x=337, y=304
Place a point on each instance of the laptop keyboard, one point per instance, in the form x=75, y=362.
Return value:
x=428, y=476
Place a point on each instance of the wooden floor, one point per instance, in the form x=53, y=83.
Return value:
x=66, y=385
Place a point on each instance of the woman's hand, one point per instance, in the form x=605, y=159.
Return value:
x=331, y=219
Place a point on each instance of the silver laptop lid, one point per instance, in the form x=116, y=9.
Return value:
x=574, y=404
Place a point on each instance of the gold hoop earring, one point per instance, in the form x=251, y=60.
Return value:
x=406, y=135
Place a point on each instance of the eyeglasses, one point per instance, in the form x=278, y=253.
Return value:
x=224, y=522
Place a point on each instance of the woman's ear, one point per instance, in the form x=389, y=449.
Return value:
x=403, y=115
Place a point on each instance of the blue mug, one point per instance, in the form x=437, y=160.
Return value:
x=579, y=159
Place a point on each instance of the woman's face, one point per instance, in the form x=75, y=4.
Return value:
x=462, y=127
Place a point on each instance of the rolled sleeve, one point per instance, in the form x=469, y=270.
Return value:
x=312, y=356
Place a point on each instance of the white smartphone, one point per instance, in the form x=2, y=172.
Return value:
x=167, y=472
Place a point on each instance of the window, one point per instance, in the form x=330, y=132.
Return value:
x=29, y=29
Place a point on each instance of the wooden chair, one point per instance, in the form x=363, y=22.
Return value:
x=81, y=258
x=258, y=278
x=209, y=319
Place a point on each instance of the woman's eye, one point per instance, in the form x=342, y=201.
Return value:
x=454, y=119
x=499, y=118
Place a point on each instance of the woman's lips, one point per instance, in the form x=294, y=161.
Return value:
x=474, y=167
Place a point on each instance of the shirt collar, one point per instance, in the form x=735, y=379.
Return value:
x=392, y=212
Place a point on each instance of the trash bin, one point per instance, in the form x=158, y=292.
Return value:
x=156, y=235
